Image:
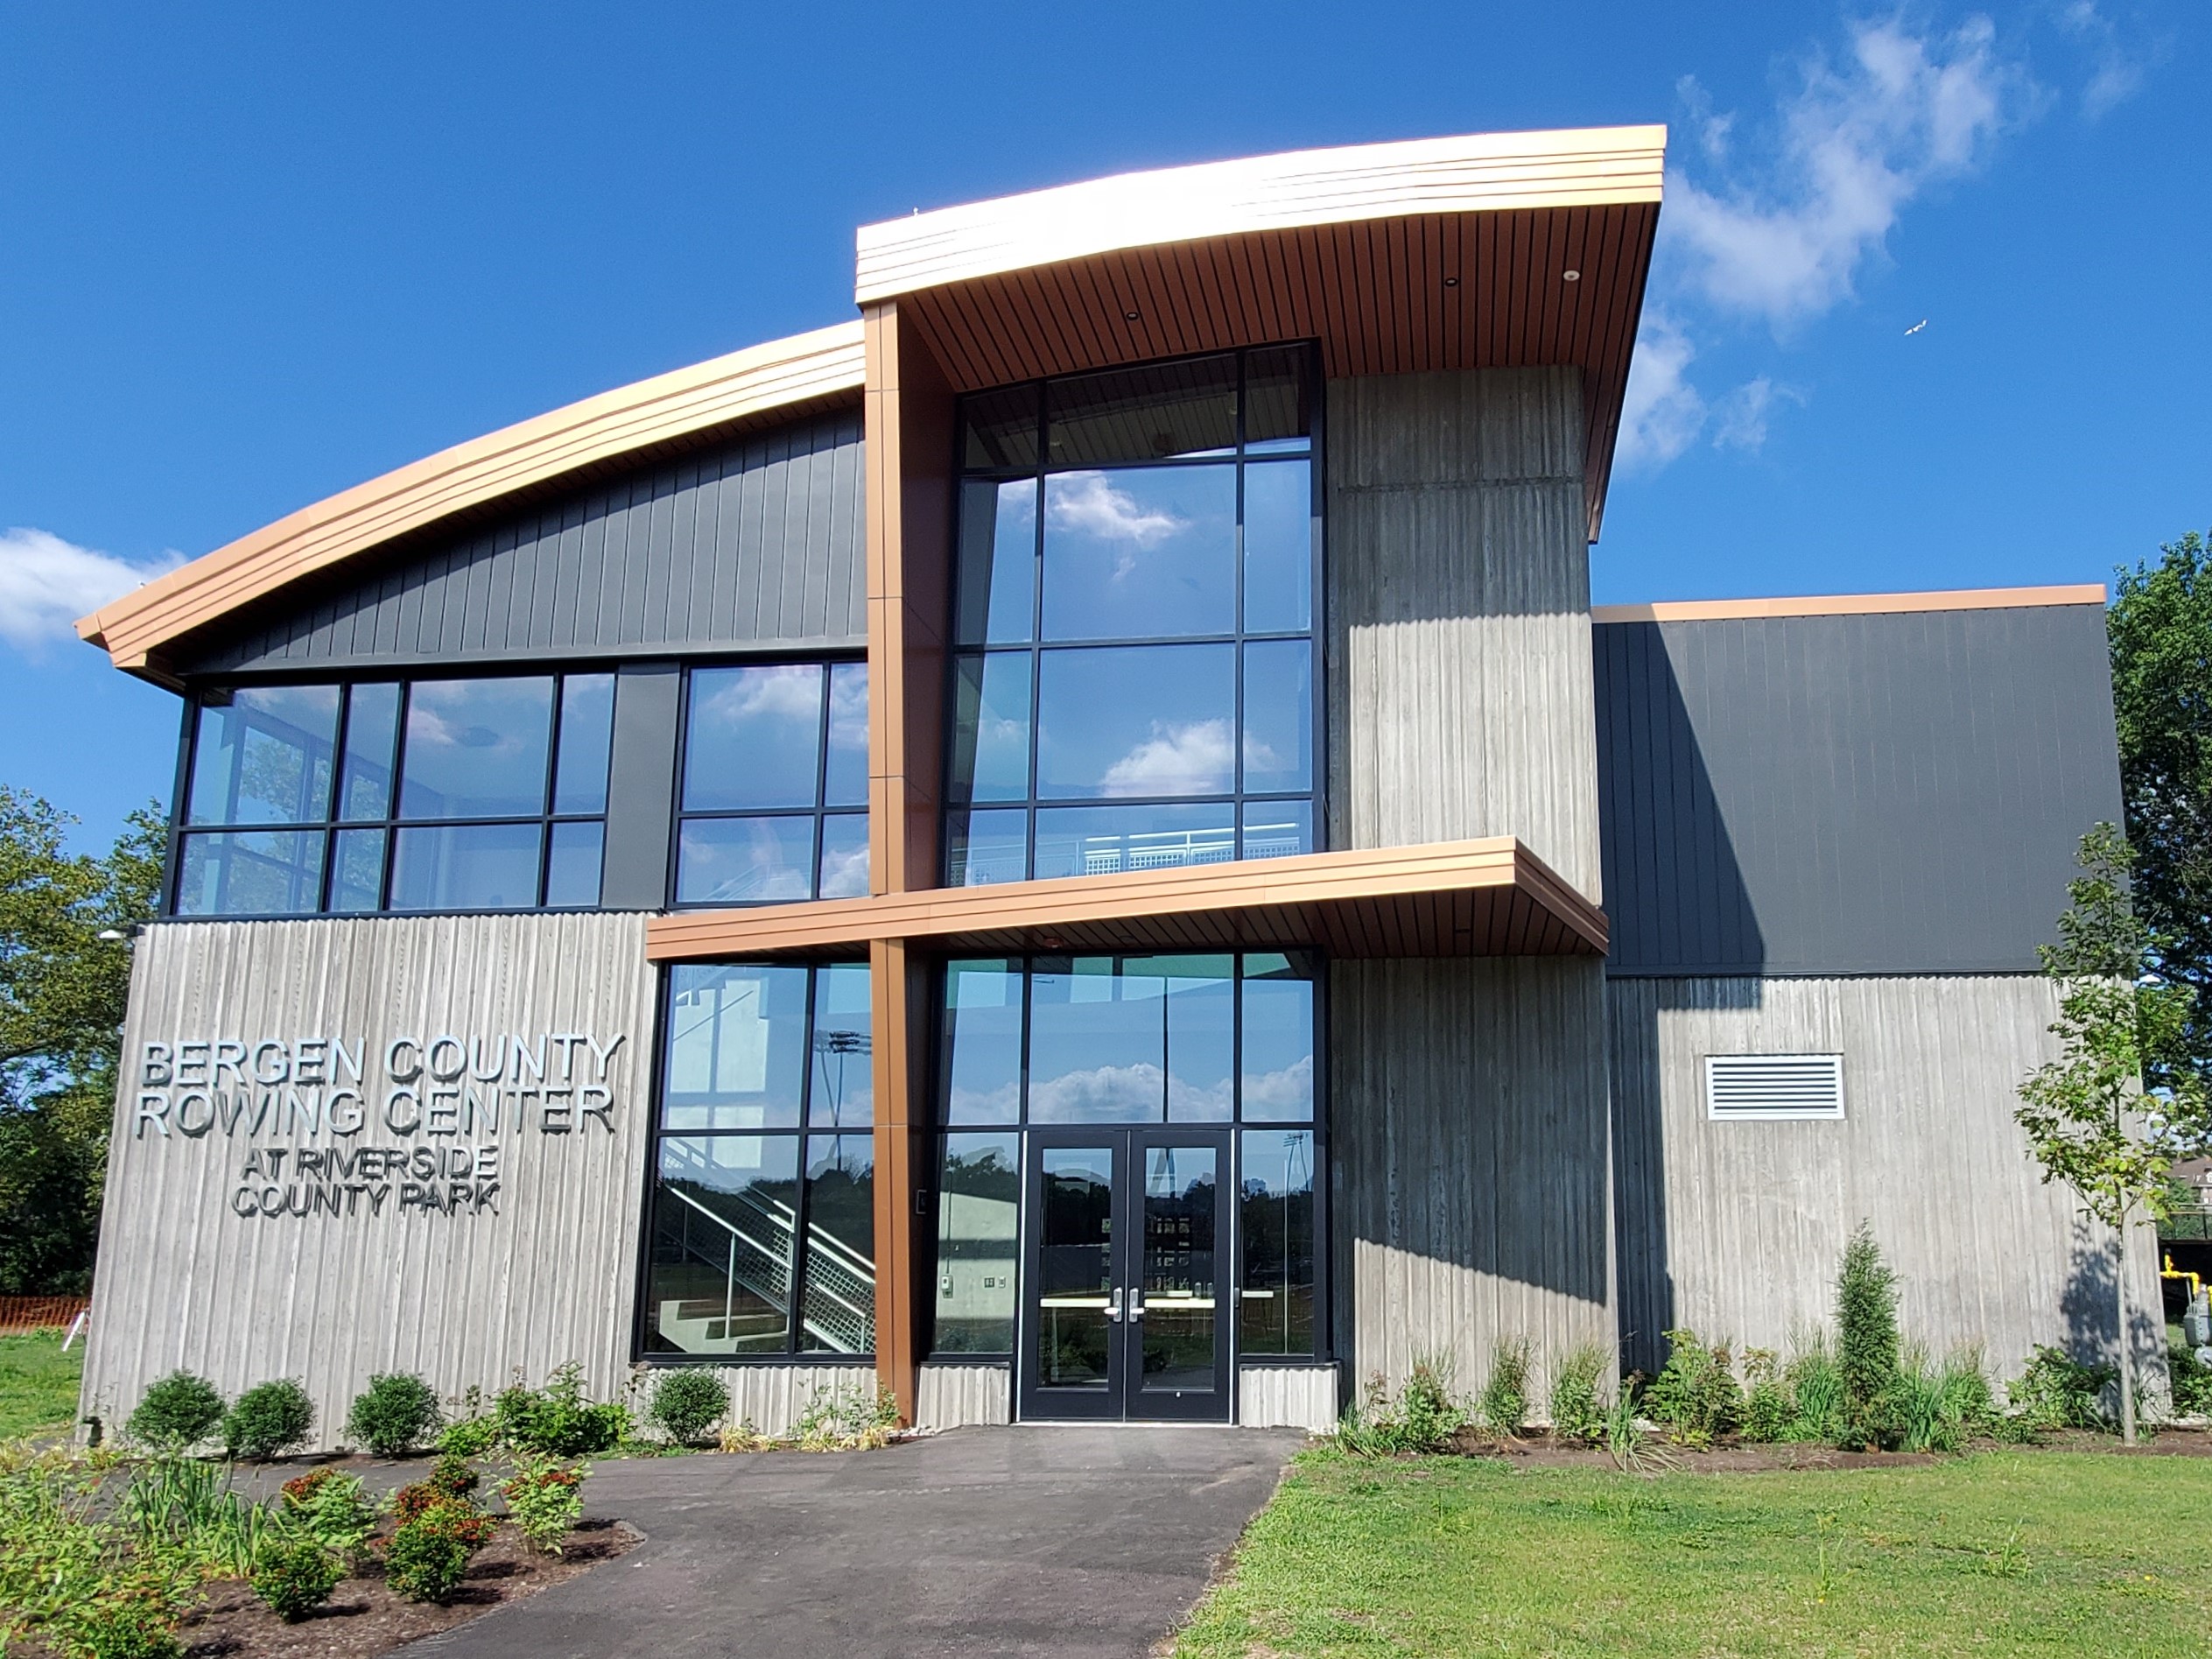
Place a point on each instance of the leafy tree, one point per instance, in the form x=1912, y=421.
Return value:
x=63, y=991
x=2160, y=631
x=2111, y=1114
x=1866, y=1344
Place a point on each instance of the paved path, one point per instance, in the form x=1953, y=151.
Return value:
x=1029, y=1540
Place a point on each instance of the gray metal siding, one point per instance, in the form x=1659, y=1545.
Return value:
x=1734, y=1229
x=755, y=542
x=1871, y=794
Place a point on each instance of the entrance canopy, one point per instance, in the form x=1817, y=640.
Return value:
x=1490, y=897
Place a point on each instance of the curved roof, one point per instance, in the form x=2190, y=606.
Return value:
x=1364, y=247
x=1484, y=172
x=761, y=380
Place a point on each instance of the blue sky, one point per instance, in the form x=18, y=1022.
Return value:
x=251, y=256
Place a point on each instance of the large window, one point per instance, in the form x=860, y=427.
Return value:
x=774, y=785
x=479, y=794
x=1051, y=1041
x=763, y=1206
x=1134, y=682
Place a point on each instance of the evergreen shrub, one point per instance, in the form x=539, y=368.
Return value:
x=687, y=1403
x=1866, y=1345
x=394, y=1414
x=268, y=1420
x=180, y=1411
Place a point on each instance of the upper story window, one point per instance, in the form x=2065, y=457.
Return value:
x=478, y=794
x=774, y=787
x=1134, y=681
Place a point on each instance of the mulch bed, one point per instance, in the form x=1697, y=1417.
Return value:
x=364, y=1618
x=1542, y=1451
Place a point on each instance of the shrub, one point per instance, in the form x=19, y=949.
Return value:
x=1422, y=1419
x=1767, y=1405
x=1939, y=1409
x=453, y=1476
x=1576, y=1413
x=393, y=1415
x=1694, y=1396
x=469, y=1437
x=125, y=1626
x=1503, y=1404
x=176, y=1413
x=295, y=1576
x=2192, y=1381
x=429, y=1552
x=556, y=1420
x=269, y=1419
x=2057, y=1392
x=333, y=1509
x=688, y=1403
x=1866, y=1345
x=546, y=1499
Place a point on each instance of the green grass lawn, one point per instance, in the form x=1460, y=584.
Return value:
x=2027, y=1553
x=37, y=1384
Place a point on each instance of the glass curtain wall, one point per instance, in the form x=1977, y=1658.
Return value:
x=762, y=1232
x=1051, y=1041
x=487, y=793
x=1135, y=684
x=774, y=785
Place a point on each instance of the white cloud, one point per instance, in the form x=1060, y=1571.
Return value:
x=2114, y=75
x=1858, y=145
x=1103, y=1095
x=792, y=692
x=1286, y=1093
x=1092, y=504
x=1712, y=128
x=46, y=583
x=1198, y=758
x=1662, y=413
x=1740, y=418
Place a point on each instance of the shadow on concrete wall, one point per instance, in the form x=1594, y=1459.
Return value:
x=2091, y=1307
x=1675, y=897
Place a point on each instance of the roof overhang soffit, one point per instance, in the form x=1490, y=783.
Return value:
x=1438, y=254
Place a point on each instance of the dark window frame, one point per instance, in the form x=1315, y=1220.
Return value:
x=330, y=826
x=1235, y=1127
x=800, y=1133
x=1315, y=635
x=820, y=813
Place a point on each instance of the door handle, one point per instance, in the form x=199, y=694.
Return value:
x=1114, y=1305
x=1136, y=1303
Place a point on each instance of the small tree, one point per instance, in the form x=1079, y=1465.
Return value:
x=1866, y=1347
x=2087, y=1114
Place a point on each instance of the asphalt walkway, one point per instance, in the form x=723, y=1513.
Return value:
x=1070, y=1542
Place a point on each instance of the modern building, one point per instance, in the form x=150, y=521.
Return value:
x=1076, y=847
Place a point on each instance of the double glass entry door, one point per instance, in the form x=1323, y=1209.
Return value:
x=1126, y=1287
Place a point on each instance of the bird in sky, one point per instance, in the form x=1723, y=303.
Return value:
x=1916, y=327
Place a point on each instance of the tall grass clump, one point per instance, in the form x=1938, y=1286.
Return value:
x=1815, y=1385
x=1577, y=1412
x=1504, y=1403
x=1940, y=1408
x=1866, y=1345
x=1422, y=1417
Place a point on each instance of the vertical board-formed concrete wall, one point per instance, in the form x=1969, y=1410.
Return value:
x=1470, y=1192
x=1289, y=1396
x=1469, y=1195
x=952, y=1392
x=1734, y=1229
x=1461, y=701
x=350, y=1070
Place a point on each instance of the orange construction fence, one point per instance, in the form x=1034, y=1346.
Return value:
x=20, y=1314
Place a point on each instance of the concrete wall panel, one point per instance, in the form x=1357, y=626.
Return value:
x=1734, y=1229
x=544, y=1269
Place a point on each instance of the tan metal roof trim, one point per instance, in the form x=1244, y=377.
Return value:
x=1711, y=610
x=1591, y=166
x=1401, y=893
x=824, y=364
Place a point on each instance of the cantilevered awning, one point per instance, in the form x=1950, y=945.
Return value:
x=1490, y=897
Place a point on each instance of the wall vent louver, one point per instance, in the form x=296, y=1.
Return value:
x=1774, y=1086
